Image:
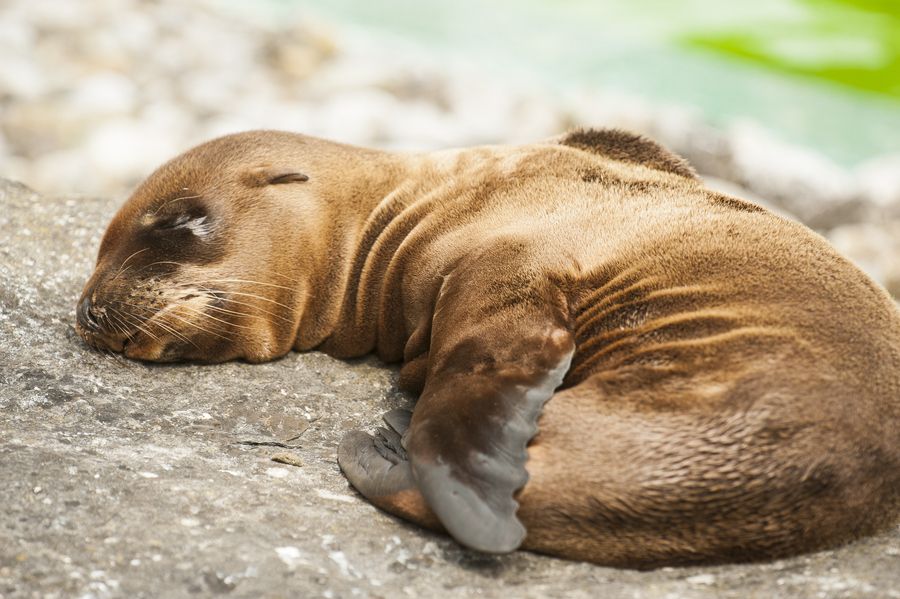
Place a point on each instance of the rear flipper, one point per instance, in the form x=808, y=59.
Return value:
x=379, y=469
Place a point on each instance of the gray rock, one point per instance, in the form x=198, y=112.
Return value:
x=121, y=479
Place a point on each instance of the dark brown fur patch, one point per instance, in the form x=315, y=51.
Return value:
x=629, y=147
x=734, y=203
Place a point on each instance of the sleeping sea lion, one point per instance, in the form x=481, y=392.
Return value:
x=613, y=362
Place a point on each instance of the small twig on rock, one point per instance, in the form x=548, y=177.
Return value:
x=266, y=444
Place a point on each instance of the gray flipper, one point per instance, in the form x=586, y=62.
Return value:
x=468, y=455
x=398, y=419
x=377, y=466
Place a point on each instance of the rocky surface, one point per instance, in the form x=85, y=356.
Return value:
x=121, y=479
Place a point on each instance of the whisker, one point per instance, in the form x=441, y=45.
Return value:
x=245, y=294
x=139, y=326
x=120, y=271
x=195, y=325
x=254, y=306
x=248, y=281
x=225, y=322
x=106, y=354
x=119, y=318
x=291, y=279
x=134, y=317
x=166, y=326
x=167, y=329
x=117, y=324
x=235, y=313
x=118, y=359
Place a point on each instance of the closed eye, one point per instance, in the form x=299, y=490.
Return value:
x=198, y=225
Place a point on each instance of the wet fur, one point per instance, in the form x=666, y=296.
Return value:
x=734, y=387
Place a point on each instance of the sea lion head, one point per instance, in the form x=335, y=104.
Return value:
x=200, y=263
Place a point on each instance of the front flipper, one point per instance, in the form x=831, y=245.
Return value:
x=495, y=359
x=469, y=458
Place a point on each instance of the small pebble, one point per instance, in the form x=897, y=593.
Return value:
x=701, y=579
x=290, y=459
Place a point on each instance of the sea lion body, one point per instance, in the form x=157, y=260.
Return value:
x=696, y=378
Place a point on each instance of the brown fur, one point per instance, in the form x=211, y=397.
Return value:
x=629, y=147
x=734, y=391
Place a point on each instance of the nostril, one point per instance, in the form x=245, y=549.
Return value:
x=85, y=318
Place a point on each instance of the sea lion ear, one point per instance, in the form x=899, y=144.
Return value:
x=628, y=147
x=272, y=175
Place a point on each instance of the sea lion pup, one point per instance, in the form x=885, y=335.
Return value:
x=615, y=364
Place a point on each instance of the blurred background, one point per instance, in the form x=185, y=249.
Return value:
x=793, y=103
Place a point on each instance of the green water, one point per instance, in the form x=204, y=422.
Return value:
x=821, y=73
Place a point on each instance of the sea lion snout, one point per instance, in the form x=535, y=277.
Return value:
x=90, y=326
x=86, y=319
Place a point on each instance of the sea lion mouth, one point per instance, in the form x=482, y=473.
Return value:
x=95, y=328
x=159, y=333
x=102, y=340
x=117, y=339
x=159, y=349
x=150, y=342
